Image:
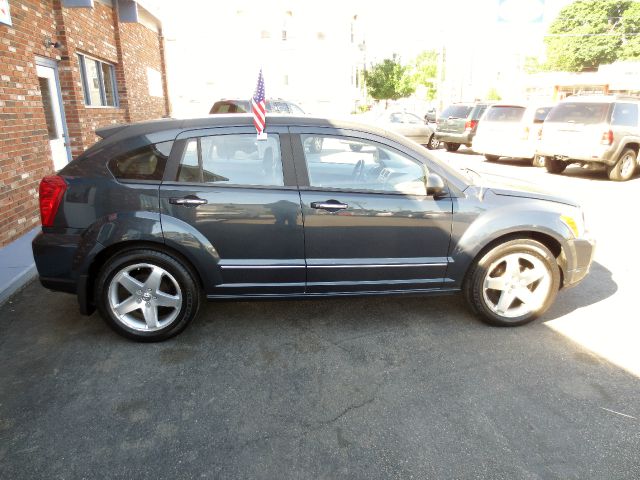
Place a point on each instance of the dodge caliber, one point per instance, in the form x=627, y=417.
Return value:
x=159, y=216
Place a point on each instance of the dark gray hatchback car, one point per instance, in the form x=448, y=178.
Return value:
x=158, y=216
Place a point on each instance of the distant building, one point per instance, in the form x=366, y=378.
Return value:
x=618, y=77
x=66, y=68
x=313, y=57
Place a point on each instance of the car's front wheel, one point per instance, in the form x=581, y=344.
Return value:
x=624, y=168
x=452, y=147
x=513, y=283
x=433, y=143
x=146, y=295
x=555, y=166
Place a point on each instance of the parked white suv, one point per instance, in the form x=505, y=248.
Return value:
x=593, y=130
x=510, y=130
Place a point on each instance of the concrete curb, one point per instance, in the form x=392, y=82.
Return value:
x=17, y=267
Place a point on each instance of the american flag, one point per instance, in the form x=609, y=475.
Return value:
x=258, y=105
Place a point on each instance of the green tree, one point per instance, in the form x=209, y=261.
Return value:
x=425, y=72
x=389, y=80
x=493, y=94
x=586, y=34
x=631, y=28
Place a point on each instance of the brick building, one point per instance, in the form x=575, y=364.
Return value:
x=66, y=68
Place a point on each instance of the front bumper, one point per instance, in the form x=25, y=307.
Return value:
x=578, y=259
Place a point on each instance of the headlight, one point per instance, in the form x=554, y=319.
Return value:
x=574, y=220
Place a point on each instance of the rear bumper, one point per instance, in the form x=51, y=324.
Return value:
x=61, y=261
x=598, y=154
x=579, y=255
x=462, y=138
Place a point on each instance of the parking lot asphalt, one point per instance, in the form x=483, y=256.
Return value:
x=396, y=387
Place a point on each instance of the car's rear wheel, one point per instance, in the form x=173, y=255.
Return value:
x=513, y=283
x=492, y=158
x=452, y=147
x=624, y=168
x=554, y=165
x=146, y=295
x=433, y=143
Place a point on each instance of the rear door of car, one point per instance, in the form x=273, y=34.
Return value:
x=369, y=225
x=241, y=195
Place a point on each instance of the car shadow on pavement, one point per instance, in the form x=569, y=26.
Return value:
x=598, y=174
x=596, y=287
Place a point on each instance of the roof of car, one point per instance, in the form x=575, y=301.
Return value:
x=120, y=133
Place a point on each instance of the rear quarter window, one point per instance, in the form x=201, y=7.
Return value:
x=625, y=115
x=146, y=163
x=504, y=114
x=584, y=113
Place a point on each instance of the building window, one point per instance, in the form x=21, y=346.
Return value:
x=98, y=82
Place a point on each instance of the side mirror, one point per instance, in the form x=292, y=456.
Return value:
x=435, y=185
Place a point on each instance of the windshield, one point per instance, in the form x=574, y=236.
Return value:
x=456, y=111
x=504, y=114
x=584, y=113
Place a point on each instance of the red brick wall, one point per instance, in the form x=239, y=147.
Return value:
x=141, y=49
x=25, y=155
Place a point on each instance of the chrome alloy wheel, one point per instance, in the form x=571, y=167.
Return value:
x=144, y=297
x=627, y=165
x=516, y=285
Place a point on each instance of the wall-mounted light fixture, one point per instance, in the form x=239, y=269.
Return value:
x=50, y=43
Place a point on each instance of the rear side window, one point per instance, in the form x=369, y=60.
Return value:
x=505, y=114
x=540, y=114
x=232, y=160
x=146, y=163
x=584, y=113
x=456, y=111
x=625, y=115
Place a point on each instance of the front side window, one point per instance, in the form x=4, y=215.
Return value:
x=98, y=82
x=146, y=163
x=237, y=159
x=356, y=164
x=625, y=115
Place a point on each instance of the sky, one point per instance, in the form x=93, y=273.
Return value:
x=483, y=33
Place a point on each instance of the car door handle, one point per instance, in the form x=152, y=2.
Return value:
x=329, y=205
x=188, y=201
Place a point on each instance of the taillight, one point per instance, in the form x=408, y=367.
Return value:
x=607, y=138
x=525, y=133
x=540, y=133
x=51, y=190
x=470, y=125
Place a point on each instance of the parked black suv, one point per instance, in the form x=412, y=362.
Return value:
x=457, y=124
x=160, y=215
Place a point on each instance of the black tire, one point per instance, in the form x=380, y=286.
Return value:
x=555, y=166
x=538, y=161
x=189, y=292
x=355, y=147
x=624, y=168
x=492, y=158
x=433, y=143
x=474, y=282
x=452, y=147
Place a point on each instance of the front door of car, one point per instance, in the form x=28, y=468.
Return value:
x=241, y=194
x=369, y=225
